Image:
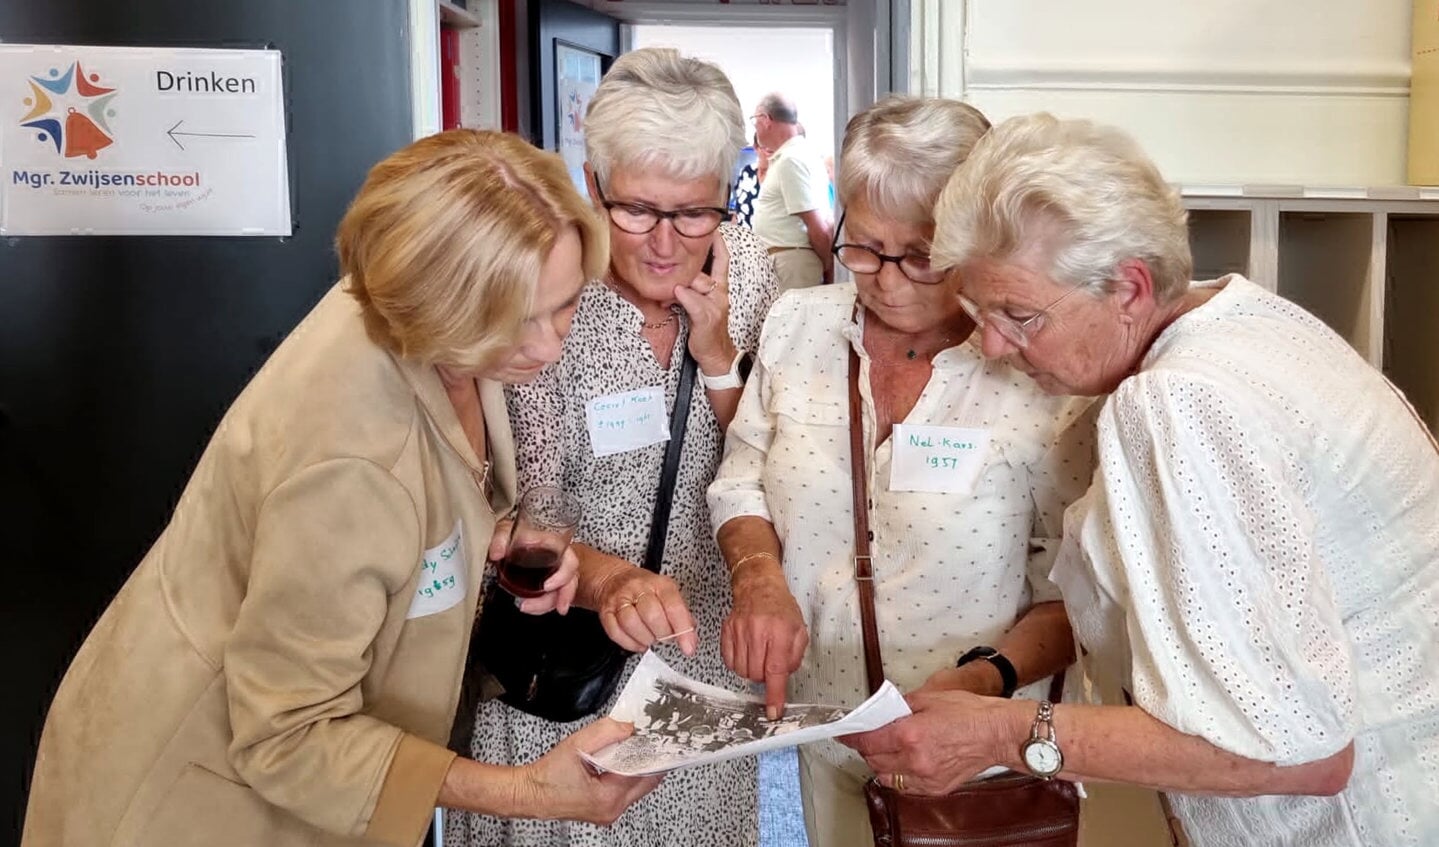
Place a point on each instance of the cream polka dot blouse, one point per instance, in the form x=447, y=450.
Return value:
x=952, y=570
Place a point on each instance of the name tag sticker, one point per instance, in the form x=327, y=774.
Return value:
x=442, y=576
x=937, y=459
x=626, y=421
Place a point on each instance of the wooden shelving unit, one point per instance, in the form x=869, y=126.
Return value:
x=1364, y=260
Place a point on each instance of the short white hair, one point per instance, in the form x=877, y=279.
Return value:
x=1081, y=193
x=898, y=154
x=657, y=109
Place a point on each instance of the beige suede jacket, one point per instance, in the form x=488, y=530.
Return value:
x=282, y=668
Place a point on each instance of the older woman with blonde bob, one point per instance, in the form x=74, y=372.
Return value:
x=280, y=669
x=662, y=135
x=958, y=550
x=1257, y=560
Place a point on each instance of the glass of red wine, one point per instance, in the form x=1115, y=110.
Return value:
x=541, y=532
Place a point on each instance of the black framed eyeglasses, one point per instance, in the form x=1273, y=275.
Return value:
x=639, y=219
x=867, y=260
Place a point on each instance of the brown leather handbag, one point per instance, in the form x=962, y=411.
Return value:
x=1014, y=810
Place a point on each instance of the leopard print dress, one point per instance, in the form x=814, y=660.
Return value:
x=711, y=806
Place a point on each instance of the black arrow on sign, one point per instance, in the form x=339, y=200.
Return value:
x=174, y=131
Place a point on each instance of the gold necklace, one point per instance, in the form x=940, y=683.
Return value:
x=658, y=324
x=609, y=283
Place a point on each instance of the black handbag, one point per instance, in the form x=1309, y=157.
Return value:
x=564, y=667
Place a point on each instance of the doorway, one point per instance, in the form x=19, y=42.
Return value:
x=796, y=61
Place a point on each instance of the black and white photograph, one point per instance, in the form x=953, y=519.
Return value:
x=680, y=722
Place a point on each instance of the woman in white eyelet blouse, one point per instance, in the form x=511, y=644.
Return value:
x=1257, y=560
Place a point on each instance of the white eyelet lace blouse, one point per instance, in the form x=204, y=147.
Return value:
x=1258, y=562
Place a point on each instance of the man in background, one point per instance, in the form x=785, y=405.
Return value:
x=792, y=212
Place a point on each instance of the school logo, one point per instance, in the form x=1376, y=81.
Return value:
x=70, y=111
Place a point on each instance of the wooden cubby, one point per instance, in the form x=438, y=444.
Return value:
x=1411, y=314
x=1220, y=241
x=1325, y=266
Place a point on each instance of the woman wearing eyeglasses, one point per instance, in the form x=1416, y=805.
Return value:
x=1257, y=560
x=970, y=467
x=662, y=134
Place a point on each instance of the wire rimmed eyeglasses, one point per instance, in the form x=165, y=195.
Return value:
x=1013, y=330
x=867, y=260
x=639, y=219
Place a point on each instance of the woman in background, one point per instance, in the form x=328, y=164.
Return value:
x=746, y=188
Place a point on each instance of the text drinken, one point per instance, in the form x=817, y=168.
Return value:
x=211, y=83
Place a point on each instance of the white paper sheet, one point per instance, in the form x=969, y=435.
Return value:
x=680, y=722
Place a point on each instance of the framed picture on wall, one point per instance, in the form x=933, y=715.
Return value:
x=577, y=75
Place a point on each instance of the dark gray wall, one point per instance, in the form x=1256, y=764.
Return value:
x=119, y=355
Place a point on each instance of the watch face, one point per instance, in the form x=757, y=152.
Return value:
x=1042, y=757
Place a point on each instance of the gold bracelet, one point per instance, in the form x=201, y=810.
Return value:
x=764, y=554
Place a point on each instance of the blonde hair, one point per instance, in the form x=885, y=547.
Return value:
x=656, y=109
x=1082, y=193
x=898, y=153
x=443, y=245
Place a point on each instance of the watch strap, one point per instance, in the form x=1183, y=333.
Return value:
x=733, y=379
x=1006, y=673
x=1009, y=677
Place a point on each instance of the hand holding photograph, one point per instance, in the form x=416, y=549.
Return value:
x=680, y=722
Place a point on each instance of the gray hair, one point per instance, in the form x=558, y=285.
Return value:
x=898, y=153
x=657, y=109
x=780, y=108
x=1081, y=193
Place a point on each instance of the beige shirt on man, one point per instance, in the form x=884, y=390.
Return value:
x=795, y=183
x=283, y=667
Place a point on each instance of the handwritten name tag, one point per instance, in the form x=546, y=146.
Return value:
x=938, y=459
x=628, y=420
x=442, y=576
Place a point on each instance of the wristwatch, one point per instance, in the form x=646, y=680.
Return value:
x=738, y=373
x=1007, y=675
x=1041, y=753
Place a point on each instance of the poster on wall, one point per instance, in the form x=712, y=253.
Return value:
x=577, y=75
x=142, y=141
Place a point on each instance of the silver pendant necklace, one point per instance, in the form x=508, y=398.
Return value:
x=913, y=354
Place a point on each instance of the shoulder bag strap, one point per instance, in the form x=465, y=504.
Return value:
x=863, y=566
x=679, y=419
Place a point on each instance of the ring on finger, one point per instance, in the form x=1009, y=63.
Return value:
x=711, y=289
x=899, y=782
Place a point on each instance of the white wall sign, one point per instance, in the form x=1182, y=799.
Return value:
x=141, y=141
